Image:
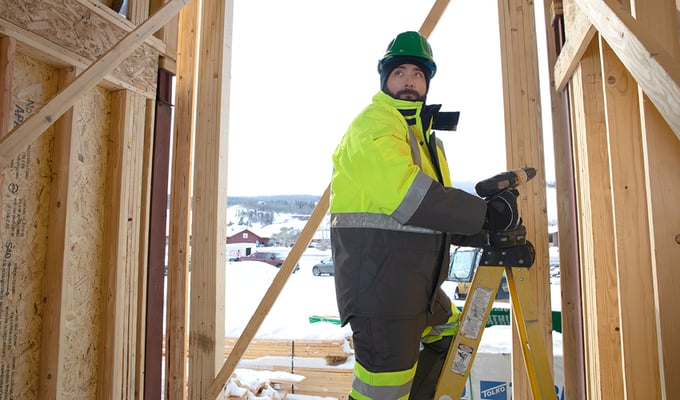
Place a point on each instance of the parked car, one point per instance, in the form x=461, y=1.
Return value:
x=462, y=267
x=324, y=266
x=275, y=258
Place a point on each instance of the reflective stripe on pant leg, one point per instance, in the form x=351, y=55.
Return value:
x=436, y=332
x=367, y=385
x=436, y=341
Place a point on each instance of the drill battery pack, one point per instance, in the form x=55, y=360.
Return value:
x=515, y=256
x=513, y=238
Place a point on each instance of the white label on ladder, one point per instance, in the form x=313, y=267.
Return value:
x=474, y=316
x=461, y=361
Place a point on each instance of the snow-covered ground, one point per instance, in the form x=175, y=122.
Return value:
x=305, y=296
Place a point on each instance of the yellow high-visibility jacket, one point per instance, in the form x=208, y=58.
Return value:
x=392, y=210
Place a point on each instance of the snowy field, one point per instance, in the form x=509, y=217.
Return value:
x=306, y=295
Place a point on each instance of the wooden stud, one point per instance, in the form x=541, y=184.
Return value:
x=524, y=147
x=433, y=17
x=631, y=231
x=61, y=206
x=118, y=341
x=209, y=208
x=661, y=151
x=138, y=11
x=596, y=229
x=579, y=36
x=145, y=181
x=180, y=203
x=169, y=35
x=570, y=280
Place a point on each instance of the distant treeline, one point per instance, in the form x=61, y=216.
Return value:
x=289, y=204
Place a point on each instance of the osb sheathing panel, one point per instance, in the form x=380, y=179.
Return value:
x=25, y=194
x=77, y=28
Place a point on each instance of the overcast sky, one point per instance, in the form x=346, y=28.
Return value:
x=303, y=69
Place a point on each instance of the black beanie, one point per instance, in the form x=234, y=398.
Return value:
x=394, y=62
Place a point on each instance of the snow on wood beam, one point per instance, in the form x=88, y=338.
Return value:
x=657, y=73
x=34, y=126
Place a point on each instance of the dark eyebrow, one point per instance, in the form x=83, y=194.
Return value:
x=401, y=66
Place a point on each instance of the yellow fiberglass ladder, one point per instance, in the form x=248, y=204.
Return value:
x=508, y=252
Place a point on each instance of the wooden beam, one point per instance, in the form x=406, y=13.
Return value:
x=113, y=341
x=180, y=203
x=661, y=152
x=595, y=231
x=138, y=11
x=524, y=147
x=34, y=126
x=631, y=231
x=580, y=33
x=654, y=69
x=570, y=279
x=169, y=35
x=433, y=17
x=52, y=350
x=209, y=209
x=145, y=182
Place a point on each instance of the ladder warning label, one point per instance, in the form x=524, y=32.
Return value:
x=476, y=313
x=462, y=359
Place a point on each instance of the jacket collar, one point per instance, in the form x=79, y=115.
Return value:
x=409, y=109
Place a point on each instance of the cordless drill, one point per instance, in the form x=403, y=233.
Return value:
x=490, y=187
x=506, y=180
x=507, y=248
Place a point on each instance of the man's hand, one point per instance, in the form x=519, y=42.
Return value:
x=501, y=211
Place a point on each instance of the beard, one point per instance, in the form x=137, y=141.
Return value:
x=408, y=94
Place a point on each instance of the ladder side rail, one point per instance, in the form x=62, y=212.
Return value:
x=530, y=333
x=472, y=321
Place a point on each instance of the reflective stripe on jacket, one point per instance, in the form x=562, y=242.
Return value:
x=390, y=215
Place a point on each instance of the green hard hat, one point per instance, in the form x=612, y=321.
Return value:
x=409, y=44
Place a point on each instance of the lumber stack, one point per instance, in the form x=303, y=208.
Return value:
x=326, y=365
x=333, y=351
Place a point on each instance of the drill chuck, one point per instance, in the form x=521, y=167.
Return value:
x=503, y=181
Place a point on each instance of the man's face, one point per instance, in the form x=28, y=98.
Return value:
x=407, y=82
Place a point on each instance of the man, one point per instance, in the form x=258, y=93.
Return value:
x=393, y=216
